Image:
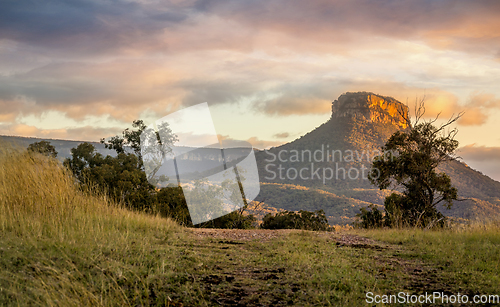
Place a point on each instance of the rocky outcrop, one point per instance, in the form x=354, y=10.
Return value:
x=370, y=107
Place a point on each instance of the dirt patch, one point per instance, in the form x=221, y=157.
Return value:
x=234, y=235
x=242, y=234
x=244, y=287
x=248, y=286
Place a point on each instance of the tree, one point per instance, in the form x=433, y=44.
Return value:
x=409, y=160
x=123, y=177
x=81, y=158
x=119, y=177
x=132, y=138
x=43, y=147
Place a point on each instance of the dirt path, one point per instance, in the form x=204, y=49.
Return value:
x=420, y=275
x=267, y=234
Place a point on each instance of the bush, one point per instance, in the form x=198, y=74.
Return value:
x=370, y=217
x=44, y=148
x=233, y=220
x=306, y=220
x=170, y=202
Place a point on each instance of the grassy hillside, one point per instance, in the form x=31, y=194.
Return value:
x=340, y=210
x=62, y=247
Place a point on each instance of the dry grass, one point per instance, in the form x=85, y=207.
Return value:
x=59, y=245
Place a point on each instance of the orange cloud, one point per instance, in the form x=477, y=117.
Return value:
x=473, y=117
x=25, y=130
x=87, y=133
x=477, y=109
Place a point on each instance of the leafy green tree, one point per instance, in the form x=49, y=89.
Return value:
x=120, y=177
x=409, y=160
x=43, y=147
x=131, y=138
x=82, y=158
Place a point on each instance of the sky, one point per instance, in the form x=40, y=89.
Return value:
x=269, y=70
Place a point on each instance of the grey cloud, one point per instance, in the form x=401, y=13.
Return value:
x=484, y=158
x=282, y=135
x=80, y=89
x=480, y=153
x=216, y=91
x=85, y=26
x=342, y=21
x=104, y=26
x=313, y=96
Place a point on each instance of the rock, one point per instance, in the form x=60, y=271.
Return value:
x=370, y=107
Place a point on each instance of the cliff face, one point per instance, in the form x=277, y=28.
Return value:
x=370, y=107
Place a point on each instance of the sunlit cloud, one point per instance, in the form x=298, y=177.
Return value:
x=478, y=109
x=123, y=60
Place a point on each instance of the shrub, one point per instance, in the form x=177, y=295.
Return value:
x=233, y=220
x=306, y=220
x=370, y=217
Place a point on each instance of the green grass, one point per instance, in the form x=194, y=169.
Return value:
x=62, y=247
x=468, y=257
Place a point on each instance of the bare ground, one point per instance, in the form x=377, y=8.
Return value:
x=421, y=275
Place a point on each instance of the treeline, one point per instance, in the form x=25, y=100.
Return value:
x=123, y=179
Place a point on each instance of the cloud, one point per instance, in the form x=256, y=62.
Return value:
x=77, y=28
x=87, y=133
x=486, y=159
x=478, y=108
x=449, y=24
x=480, y=153
x=277, y=58
x=282, y=135
x=308, y=97
x=87, y=27
x=219, y=91
x=123, y=90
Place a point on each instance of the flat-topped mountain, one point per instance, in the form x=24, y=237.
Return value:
x=329, y=165
x=370, y=107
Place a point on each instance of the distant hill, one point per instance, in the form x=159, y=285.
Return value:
x=341, y=149
x=63, y=147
